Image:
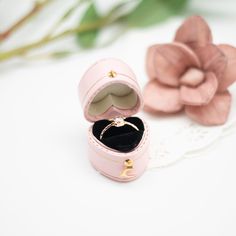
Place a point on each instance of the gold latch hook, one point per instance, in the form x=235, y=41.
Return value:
x=128, y=165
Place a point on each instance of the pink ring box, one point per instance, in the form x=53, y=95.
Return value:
x=109, y=92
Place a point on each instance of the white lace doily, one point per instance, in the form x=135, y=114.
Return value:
x=174, y=138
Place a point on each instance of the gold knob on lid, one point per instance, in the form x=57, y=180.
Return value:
x=112, y=74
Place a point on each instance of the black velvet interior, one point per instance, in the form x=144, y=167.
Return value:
x=123, y=139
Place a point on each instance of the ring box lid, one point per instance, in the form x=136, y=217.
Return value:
x=109, y=89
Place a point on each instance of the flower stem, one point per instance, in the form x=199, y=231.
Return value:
x=36, y=8
x=64, y=17
x=21, y=50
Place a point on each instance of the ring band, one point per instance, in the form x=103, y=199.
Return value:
x=117, y=122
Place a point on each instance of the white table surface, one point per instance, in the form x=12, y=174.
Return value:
x=47, y=185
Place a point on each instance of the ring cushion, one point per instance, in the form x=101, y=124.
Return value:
x=123, y=139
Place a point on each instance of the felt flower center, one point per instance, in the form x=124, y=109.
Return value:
x=192, y=77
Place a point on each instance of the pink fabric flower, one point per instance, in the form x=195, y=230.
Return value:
x=191, y=74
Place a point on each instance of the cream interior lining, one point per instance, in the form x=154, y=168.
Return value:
x=118, y=95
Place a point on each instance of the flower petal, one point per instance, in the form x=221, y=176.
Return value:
x=150, y=62
x=194, y=32
x=202, y=94
x=212, y=59
x=160, y=98
x=214, y=113
x=167, y=62
x=229, y=75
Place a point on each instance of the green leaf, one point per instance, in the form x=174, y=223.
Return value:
x=87, y=39
x=149, y=12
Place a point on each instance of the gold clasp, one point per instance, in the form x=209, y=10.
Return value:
x=128, y=165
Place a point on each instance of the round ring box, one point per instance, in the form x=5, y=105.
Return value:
x=109, y=91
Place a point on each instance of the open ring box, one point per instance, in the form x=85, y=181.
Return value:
x=110, y=95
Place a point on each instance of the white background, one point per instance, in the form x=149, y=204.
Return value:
x=47, y=186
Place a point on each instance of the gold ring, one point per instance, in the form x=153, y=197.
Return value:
x=117, y=122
